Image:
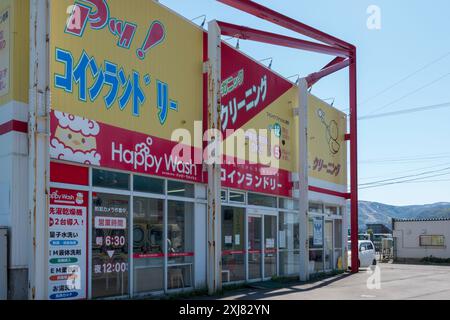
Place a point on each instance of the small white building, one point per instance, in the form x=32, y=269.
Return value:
x=417, y=239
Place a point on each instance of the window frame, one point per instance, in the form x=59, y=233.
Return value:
x=432, y=237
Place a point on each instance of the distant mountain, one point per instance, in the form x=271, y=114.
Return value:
x=374, y=212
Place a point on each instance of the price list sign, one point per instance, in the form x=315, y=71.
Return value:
x=67, y=252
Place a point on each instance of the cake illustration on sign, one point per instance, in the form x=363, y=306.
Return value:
x=75, y=139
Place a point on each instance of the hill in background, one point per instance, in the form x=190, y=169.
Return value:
x=375, y=212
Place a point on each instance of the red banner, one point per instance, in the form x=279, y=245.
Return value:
x=257, y=178
x=85, y=141
x=247, y=88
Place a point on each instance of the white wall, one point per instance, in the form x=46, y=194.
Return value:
x=14, y=184
x=407, y=234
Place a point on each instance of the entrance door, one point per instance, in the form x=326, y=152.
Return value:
x=270, y=246
x=328, y=249
x=254, y=247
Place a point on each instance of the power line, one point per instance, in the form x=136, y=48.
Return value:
x=408, y=176
x=406, y=78
x=410, y=93
x=406, y=111
x=405, y=181
x=438, y=180
x=417, y=156
x=406, y=160
x=406, y=171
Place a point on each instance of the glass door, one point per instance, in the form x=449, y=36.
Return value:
x=233, y=244
x=180, y=244
x=148, y=251
x=328, y=250
x=254, y=247
x=110, y=260
x=270, y=246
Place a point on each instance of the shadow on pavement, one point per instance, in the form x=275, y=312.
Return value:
x=298, y=287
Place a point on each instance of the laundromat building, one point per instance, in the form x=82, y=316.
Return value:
x=95, y=201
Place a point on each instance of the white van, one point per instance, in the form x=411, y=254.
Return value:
x=366, y=254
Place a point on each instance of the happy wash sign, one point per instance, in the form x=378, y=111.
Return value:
x=78, y=139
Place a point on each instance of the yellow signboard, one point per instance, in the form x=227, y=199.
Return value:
x=4, y=51
x=135, y=69
x=14, y=50
x=131, y=64
x=327, y=147
x=272, y=132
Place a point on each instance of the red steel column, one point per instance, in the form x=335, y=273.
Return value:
x=353, y=162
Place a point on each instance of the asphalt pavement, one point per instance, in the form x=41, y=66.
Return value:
x=396, y=282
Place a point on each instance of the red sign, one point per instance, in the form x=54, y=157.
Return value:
x=247, y=88
x=256, y=178
x=86, y=141
x=68, y=198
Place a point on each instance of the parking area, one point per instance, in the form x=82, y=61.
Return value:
x=397, y=282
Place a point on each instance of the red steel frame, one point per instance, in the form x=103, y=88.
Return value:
x=345, y=57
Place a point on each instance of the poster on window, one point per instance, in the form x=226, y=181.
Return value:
x=109, y=245
x=318, y=231
x=67, y=221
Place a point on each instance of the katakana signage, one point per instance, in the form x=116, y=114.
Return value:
x=123, y=78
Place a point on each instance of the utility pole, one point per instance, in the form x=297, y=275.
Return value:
x=302, y=113
x=214, y=265
x=38, y=151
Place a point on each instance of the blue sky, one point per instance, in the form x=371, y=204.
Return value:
x=413, y=34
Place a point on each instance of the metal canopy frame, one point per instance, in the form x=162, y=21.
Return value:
x=345, y=56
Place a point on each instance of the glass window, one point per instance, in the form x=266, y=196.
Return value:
x=315, y=207
x=338, y=262
x=237, y=197
x=288, y=204
x=432, y=240
x=262, y=200
x=338, y=234
x=200, y=191
x=289, y=231
x=270, y=246
x=109, y=245
x=315, y=232
x=331, y=210
x=315, y=261
x=146, y=184
x=254, y=234
x=328, y=245
x=110, y=179
x=233, y=251
x=148, y=234
x=223, y=195
x=289, y=263
x=180, y=189
x=180, y=244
